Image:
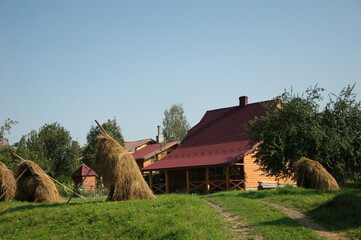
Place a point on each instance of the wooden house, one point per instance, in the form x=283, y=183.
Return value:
x=148, y=151
x=215, y=155
x=4, y=143
x=153, y=152
x=136, y=145
x=86, y=177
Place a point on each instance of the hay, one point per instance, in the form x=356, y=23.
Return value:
x=7, y=183
x=34, y=185
x=311, y=174
x=120, y=172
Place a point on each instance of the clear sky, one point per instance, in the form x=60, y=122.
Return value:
x=74, y=61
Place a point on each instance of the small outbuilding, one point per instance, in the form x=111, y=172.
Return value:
x=85, y=176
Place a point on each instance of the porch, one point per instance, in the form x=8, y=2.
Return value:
x=197, y=180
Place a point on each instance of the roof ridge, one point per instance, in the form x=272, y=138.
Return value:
x=237, y=106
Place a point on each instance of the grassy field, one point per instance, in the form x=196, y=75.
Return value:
x=167, y=217
x=269, y=222
x=183, y=216
x=338, y=211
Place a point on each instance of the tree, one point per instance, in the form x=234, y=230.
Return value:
x=52, y=148
x=175, y=125
x=6, y=127
x=6, y=155
x=296, y=128
x=112, y=128
x=342, y=144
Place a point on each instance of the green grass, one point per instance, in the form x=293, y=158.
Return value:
x=338, y=211
x=268, y=221
x=167, y=217
x=183, y=216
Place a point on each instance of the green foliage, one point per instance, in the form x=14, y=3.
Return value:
x=6, y=152
x=298, y=129
x=112, y=128
x=341, y=150
x=175, y=125
x=52, y=148
x=167, y=217
x=7, y=157
x=6, y=127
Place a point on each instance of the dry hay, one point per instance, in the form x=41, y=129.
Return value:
x=7, y=183
x=120, y=172
x=34, y=185
x=311, y=174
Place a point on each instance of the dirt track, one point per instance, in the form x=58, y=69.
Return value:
x=242, y=230
x=307, y=222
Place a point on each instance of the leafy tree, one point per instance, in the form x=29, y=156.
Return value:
x=112, y=128
x=342, y=143
x=295, y=127
x=6, y=155
x=6, y=127
x=52, y=148
x=175, y=125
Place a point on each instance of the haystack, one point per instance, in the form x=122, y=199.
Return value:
x=7, y=183
x=34, y=185
x=120, y=172
x=311, y=174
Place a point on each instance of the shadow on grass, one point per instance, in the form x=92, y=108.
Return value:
x=31, y=206
x=285, y=221
x=343, y=212
x=281, y=191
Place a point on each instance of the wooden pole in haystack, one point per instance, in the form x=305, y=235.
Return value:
x=77, y=187
x=119, y=171
x=311, y=174
x=101, y=128
x=87, y=174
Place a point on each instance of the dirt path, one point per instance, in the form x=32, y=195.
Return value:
x=241, y=229
x=307, y=222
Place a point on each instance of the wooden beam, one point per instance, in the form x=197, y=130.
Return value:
x=227, y=178
x=207, y=179
x=238, y=164
x=151, y=180
x=166, y=182
x=187, y=180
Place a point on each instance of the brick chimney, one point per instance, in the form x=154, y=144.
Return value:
x=243, y=101
x=159, y=136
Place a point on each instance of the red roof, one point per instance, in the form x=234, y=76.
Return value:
x=218, y=139
x=130, y=146
x=152, y=149
x=83, y=171
x=4, y=142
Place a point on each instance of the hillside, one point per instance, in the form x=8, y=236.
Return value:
x=185, y=216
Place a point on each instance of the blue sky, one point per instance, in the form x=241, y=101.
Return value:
x=75, y=61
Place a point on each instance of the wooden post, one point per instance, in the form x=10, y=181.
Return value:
x=166, y=182
x=207, y=179
x=101, y=128
x=227, y=178
x=187, y=180
x=151, y=180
